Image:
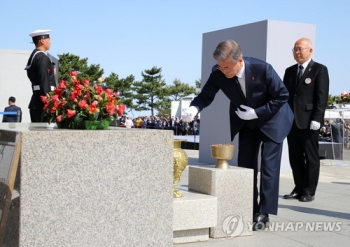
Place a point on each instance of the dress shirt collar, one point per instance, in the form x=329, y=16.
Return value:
x=240, y=73
x=305, y=64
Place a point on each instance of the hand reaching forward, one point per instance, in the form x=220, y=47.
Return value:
x=189, y=114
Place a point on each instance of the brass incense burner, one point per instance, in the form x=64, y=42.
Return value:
x=222, y=152
x=180, y=163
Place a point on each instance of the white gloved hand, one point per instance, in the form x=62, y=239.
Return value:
x=314, y=125
x=248, y=114
x=189, y=114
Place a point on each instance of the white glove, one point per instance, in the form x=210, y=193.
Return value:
x=248, y=114
x=314, y=125
x=189, y=114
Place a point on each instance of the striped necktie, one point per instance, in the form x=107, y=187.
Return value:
x=300, y=72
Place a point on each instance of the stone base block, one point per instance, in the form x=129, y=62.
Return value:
x=189, y=236
x=194, y=214
x=234, y=191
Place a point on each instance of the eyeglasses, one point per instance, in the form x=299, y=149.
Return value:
x=227, y=69
x=299, y=49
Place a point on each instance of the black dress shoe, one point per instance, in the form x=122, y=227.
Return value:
x=307, y=198
x=261, y=221
x=292, y=195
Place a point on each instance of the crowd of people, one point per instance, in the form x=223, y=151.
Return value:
x=337, y=131
x=162, y=122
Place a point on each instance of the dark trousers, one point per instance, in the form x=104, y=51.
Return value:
x=304, y=159
x=271, y=153
x=36, y=116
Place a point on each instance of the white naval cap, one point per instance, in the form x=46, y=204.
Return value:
x=40, y=34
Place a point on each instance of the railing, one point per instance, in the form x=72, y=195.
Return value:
x=337, y=147
x=18, y=113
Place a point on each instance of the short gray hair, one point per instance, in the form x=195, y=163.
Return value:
x=228, y=49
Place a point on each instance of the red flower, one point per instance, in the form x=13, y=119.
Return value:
x=59, y=118
x=44, y=99
x=110, y=108
x=92, y=109
x=73, y=97
x=77, y=89
x=54, y=98
x=58, y=91
x=70, y=113
x=110, y=98
x=99, y=90
x=344, y=94
x=86, y=82
x=57, y=104
x=82, y=104
x=73, y=73
x=120, y=110
x=109, y=91
x=53, y=109
x=62, y=84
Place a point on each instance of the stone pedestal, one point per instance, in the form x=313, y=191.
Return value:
x=95, y=188
x=194, y=214
x=234, y=191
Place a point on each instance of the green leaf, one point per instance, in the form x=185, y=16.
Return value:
x=79, y=117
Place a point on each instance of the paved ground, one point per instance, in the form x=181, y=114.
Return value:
x=332, y=205
x=346, y=154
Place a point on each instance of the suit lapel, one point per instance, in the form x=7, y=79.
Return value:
x=249, y=79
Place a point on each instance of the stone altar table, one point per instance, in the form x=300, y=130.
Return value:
x=95, y=188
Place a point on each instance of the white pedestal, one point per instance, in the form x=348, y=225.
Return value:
x=234, y=191
x=194, y=214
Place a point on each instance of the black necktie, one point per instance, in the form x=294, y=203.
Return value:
x=240, y=91
x=249, y=123
x=300, y=72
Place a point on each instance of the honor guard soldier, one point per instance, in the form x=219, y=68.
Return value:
x=40, y=72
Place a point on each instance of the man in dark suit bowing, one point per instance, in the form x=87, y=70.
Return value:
x=308, y=86
x=258, y=112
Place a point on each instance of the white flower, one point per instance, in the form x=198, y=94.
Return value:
x=101, y=79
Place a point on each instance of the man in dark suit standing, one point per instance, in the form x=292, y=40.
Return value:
x=308, y=86
x=12, y=108
x=258, y=112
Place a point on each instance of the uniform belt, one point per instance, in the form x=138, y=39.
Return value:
x=36, y=88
